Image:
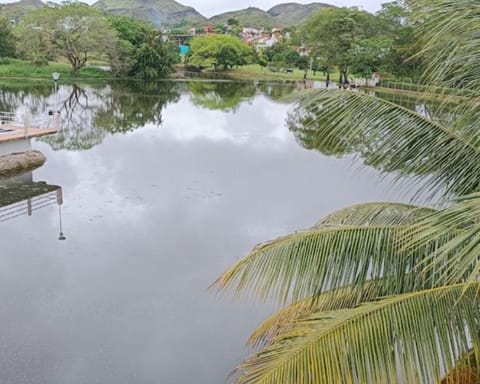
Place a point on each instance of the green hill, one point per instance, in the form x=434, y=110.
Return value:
x=288, y=14
x=158, y=12
x=250, y=17
x=173, y=14
x=282, y=15
x=16, y=11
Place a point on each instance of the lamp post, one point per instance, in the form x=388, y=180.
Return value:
x=61, y=236
x=56, y=76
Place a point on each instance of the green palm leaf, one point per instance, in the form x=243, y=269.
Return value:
x=457, y=229
x=449, y=33
x=412, y=338
x=390, y=138
x=376, y=214
x=324, y=258
x=342, y=298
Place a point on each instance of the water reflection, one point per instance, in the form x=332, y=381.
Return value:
x=220, y=95
x=154, y=216
x=20, y=195
x=90, y=113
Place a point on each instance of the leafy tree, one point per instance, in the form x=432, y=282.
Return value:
x=233, y=21
x=141, y=51
x=403, y=58
x=333, y=32
x=7, y=40
x=73, y=31
x=281, y=55
x=219, y=51
x=383, y=292
x=368, y=56
x=155, y=58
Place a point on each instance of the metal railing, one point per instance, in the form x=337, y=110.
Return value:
x=28, y=206
x=7, y=117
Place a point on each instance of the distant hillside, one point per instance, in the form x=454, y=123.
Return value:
x=15, y=11
x=171, y=13
x=293, y=13
x=250, y=17
x=282, y=15
x=158, y=12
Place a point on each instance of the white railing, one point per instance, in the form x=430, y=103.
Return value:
x=28, y=122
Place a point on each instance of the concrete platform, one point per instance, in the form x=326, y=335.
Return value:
x=19, y=133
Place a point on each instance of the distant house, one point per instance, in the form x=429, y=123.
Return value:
x=209, y=29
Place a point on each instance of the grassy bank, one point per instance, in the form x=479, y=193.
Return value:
x=257, y=72
x=14, y=68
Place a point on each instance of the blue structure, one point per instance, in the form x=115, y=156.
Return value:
x=184, y=49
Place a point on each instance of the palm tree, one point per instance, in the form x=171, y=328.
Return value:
x=383, y=292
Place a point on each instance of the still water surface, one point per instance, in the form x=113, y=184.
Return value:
x=163, y=190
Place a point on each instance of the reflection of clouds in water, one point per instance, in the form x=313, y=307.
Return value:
x=151, y=218
x=97, y=177
x=254, y=124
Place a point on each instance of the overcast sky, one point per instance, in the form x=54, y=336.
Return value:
x=213, y=7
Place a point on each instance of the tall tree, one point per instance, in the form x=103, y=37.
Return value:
x=73, y=31
x=383, y=292
x=7, y=40
x=333, y=32
x=403, y=58
x=141, y=51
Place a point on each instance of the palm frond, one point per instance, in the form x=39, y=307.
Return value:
x=383, y=213
x=342, y=298
x=330, y=256
x=449, y=32
x=412, y=338
x=456, y=230
x=388, y=137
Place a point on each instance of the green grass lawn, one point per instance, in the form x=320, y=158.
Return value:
x=256, y=72
x=14, y=68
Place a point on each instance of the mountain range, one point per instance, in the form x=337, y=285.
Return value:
x=173, y=14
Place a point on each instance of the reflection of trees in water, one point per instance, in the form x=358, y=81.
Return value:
x=227, y=96
x=88, y=114
x=133, y=105
x=223, y=96
x=339, y=123
x=78, y=110
x=276, y=91
x=14, y=96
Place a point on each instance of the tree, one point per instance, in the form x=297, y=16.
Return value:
x=367, y=56
x=403, y=58
x=383, y=292
x=7, y=40
x=141, y=51
x=219, y=51
x=333, y=32
x=73, y=31
x=281, y=55
x=155, y=58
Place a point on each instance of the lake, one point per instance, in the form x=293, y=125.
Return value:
x=164, y=187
